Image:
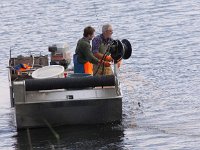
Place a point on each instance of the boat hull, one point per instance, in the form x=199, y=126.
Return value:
x=74, y=112
x=66, y=106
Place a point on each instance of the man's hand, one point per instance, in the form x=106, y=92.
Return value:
x=106, y=64
x=108, y=58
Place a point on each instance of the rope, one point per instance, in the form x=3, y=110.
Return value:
x=100, y=63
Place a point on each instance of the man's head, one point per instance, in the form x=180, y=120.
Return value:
x=107, y=30
x=89, y=32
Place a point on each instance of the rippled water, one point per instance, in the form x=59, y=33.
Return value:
x=161, y=81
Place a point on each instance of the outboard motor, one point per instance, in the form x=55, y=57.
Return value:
x=60, y=54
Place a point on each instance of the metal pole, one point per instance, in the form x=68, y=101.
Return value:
x=10, y=52
x=115, y=69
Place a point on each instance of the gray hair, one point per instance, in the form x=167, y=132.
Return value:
x=105, y=27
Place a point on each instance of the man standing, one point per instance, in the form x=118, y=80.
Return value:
x=83, y=57
x=99, y=48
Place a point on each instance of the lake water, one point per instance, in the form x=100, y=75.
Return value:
x=161, y=81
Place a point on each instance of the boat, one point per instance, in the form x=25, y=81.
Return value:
x=47, y=94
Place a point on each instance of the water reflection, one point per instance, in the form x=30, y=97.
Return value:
x=72, y=137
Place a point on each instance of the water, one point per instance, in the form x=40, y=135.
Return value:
x=160, y=82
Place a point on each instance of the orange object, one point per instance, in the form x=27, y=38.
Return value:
x=106, y=64
x=88, y=68
x=108, y=58
x=26, y=67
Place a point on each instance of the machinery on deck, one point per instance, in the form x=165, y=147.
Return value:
x=44, y=95
x=60, y=54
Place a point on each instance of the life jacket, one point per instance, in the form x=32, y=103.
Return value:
x=25, y=67
x=22, y=67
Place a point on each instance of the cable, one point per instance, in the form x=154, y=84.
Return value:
x=103, y=69
x=100, y=63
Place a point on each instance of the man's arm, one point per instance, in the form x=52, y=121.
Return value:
x=95, y=49
x=88, y=54
x=91, y=58
x=98, y=55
